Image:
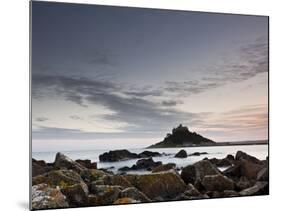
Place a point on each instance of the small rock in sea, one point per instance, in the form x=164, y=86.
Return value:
x=181, y=154
x=117, y=155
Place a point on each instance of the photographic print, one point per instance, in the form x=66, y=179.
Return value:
x=138, y=105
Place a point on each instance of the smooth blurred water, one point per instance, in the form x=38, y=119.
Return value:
x=259, y=151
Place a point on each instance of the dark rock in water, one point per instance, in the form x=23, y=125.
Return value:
x=243, y=183
x=147, y=164
x=103, y=195
x=59, y=178
x=164, y=167
x=147, y=154
x=182, y=137
x=260, y=188
x=217, y=182
x=196, y=172
x=76, y=195
x=39, y=167
x=87, y=163
x=135, y=194
x=181, y=154
x=126, y=200
x=125, y=168
x=263, y=174
x=64, y=162
x=198, y=153
x=242, y=155
x=166, y=185
x=230, y=157
x=117, y=155
x=45, y=197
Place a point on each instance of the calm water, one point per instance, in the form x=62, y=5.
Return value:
x=259, y=151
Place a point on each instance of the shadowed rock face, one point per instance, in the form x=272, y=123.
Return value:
x=62, y=161
x=181, y=154
x=180, y=137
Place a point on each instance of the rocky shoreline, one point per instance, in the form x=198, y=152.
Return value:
x=68, y=183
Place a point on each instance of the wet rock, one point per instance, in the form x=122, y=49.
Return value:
x=196, y=172
x=164, y=167
x=217, y=182
x=87, y=163
x=181, y=154
x=76, y=195
x=166, y=185
x=147, y=154
x=64, y=162
x=125, y=168
x=146, y=163
x=45, y=197
x=198, y=153
x=117, y=155
x=260, y=188
x=135, y=194
x=263, y=174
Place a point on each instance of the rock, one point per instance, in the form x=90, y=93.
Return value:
x=217, y=182
x=198, y=153
x=103, y=195
x=147, y=154
x=61, y=178
x=135, y=194
x=263, y=174
x=224, y=163
x=126, y=200
x=243, y=183
x=39, y=167
x=192, y=192
x=230, y=157
x=90, y=175
x=260, y=188
x=181, y=154
x=242, y=155
x=166, y=185
x=117, y=155
x=233, y=172
x=230, y=193
x=64, y=162
x=146, y=163
x=116, y=180
x=164, y=167
x=250, y=169
x=87, y=163
x=76, y=195
x=125, y=168
x=196, y=172
x=44, y=197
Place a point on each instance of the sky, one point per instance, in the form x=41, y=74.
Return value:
x=120, y=77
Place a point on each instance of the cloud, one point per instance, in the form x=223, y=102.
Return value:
x=41, y=119
x=169, y=103
x=75, y=117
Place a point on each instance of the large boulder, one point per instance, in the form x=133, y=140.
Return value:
x=260, y=188
x=250, y=169
x=195, y=173
x=116, y=180
x=165, y=185
x=61, y=178
x=263, y=174
x=217, y=182
x=147, y=154
x=103, y=195
x=181, y=154
x=164, y=167
x=45, y=197
x=242, y=155
x=135, y=194
x=91, y=175
x=87, y=163
x=192, y=193
x=117, y=155
x=64, y=162
x=39, y=167
x=77, y=194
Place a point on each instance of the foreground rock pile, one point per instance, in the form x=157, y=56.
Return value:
x=69, y=183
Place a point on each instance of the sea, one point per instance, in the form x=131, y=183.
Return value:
x=258, y=151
